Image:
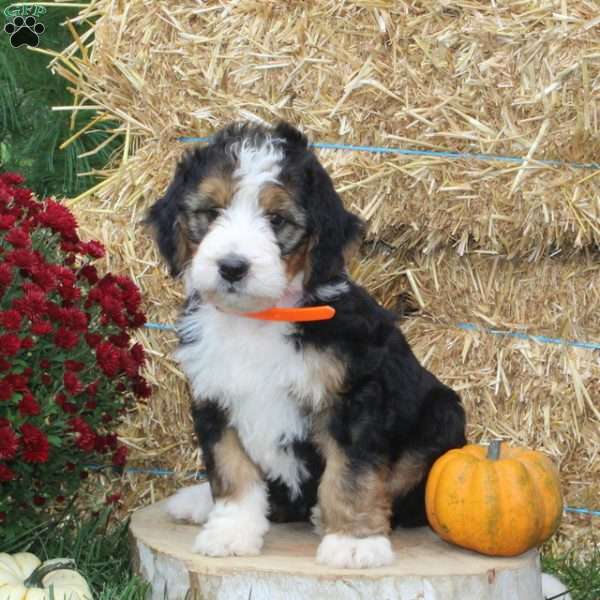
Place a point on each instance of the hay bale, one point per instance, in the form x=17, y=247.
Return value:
x=517, y=79
x=467, y=240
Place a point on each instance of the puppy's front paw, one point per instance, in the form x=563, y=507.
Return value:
x=223, y=536
x=347, y=552
x=192, y=503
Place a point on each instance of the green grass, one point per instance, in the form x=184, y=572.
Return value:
x=581, y=577
x=99, y=546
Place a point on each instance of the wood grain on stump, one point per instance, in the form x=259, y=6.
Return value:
x=426, y=568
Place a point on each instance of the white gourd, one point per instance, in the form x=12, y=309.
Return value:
x=24, y=577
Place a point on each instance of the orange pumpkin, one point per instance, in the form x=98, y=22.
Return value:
x=500, y=501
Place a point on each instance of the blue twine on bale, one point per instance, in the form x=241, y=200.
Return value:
x=201, y=475
x=159, y=326
x=469, y=327
x=430, y=153
x=155, y=471
x=526, y=336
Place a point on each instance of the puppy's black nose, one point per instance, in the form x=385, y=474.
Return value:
x=233, y=268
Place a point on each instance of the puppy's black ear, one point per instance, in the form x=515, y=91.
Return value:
x=166, y=219
x=334, y=233
x=293, y=137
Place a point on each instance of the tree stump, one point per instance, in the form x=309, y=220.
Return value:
x=426, y=568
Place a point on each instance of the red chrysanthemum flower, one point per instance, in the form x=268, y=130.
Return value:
x=128, y=365
x=74, y=365
x=112, y=440
x=120, y=340
x=22, y=258
x=92, y=389
x=12, y=178
x=90, y=273
x=41, y=327
x=65, y=338
x=6, y=390
x=33, y=304
x=39, y=500
x=36, y=447
x=10, y=319
x=28, y=406
x=9, y=443
x=137, y=353
x=7, y=221
x=64, y=275
x=27, y=343
x=24, y=198
x=74, y=318
x=138, y=319
x=86, y=436
x=72, y=383
x=44, y=278
x=131, y=295
x=119, y=457
x=9, y=344
x=17, y=381
x=6, y=474
x=69, y=293
x=92, y=339
x=109, y=358
x=141, y=388
x=18, y=238
x=6, y=275
x=94, y=249
x=60, y=219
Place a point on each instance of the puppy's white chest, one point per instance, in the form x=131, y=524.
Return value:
x=252, y=370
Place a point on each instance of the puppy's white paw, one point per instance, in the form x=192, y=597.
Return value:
x=347, y=552
x=228, y=537
x=235, y=527
x=192, y=503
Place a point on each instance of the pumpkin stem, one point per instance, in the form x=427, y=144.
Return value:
x=493, y=452
x=36, y=577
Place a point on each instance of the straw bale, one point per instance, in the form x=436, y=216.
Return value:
x=515, y=78
x=502, y=245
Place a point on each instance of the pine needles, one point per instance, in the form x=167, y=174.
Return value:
x=31, y=132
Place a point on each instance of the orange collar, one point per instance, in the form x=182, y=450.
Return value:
x=293, y=314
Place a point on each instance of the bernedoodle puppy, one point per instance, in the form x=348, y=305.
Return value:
x=332, y=420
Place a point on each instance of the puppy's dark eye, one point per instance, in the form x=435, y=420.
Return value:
x=276, y=220
x=209, y=213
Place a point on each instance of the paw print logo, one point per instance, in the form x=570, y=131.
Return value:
x=24, y=31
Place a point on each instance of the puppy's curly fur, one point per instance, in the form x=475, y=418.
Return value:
x=336, y=415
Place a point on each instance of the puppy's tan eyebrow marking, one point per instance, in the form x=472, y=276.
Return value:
x=216, y=190
x=275, y=197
